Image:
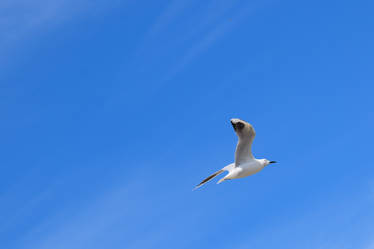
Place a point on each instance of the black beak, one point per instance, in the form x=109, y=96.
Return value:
x=272, y=162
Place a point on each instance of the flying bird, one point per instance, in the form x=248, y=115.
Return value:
x=245, y=164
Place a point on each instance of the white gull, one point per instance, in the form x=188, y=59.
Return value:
x=245, y=164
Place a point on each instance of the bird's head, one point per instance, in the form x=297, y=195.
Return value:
x=241, y=127
x=267, y=162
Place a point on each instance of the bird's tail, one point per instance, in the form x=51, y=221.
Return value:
x=210, y=178
x=221, y=180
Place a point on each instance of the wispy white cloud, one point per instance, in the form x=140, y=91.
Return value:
x=209, y=22
x=81, y=228
x=207, y=40
x=172, y=12
x=370, y=245
x=22, y=20
x=169, y=15
x=331, y=224
x=127, y=214
x=215, y=12
x=19, y=212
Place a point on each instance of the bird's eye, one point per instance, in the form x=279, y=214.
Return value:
x=240, y=125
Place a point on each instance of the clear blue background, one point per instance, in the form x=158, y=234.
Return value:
x=112, y=111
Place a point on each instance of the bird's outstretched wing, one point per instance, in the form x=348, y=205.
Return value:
x=226, y=168
x=209, y=178
x=246, y=134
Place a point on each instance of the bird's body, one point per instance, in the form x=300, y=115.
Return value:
x=245, y=164
x=246, y=169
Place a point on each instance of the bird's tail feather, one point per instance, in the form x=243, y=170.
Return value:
x=221, y=180
x=209, y=178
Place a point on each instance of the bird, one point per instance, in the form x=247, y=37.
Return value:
x=245, y=163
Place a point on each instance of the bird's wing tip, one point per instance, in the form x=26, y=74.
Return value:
x=195, y=188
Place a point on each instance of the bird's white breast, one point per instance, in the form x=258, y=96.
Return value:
x=246, y=169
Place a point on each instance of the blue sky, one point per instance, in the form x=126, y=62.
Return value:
x=112, y=111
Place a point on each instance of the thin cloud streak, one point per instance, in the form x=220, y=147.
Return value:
x=209, y=39
x=172, y=11
x=123, y=206
x=334, y=209
x=370, y=246
x=80, y=229
x=22, y=20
